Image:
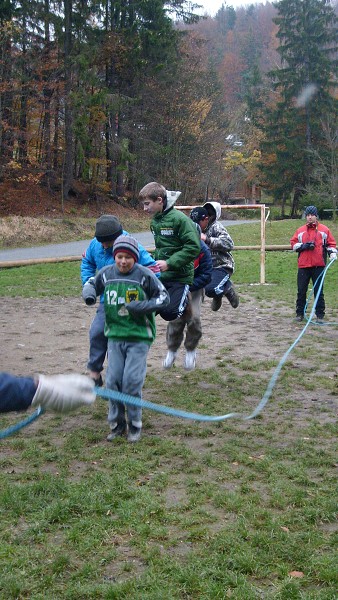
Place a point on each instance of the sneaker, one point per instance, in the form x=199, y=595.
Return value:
x=190, y=360
x=169, y=359
x=216, y=303
x=233, y=298
x=134, y=433
x=320, y=319
x=98, y=382
x=299, y=318
x=118, y=431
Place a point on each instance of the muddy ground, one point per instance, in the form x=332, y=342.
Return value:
x=51, y=336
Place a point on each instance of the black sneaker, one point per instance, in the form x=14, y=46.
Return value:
x=134, y=433
x=233, y=298
x=118, y=431
x=320, y=319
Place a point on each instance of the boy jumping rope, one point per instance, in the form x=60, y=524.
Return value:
x=177, y=245
x=132, y=295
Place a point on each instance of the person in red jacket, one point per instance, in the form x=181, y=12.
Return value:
x=313, y=242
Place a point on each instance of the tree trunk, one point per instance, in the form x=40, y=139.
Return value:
x=295, y=201
x=68, y=151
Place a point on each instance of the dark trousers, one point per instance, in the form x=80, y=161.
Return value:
x=303, y=279
x=179, y=296
x=220, y=283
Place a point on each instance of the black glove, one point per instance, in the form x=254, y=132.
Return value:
x=306, y=246
x=89, y=292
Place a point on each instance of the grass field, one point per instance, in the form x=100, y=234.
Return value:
x=211, y=511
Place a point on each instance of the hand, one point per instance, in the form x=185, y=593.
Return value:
x=333, y=255
x=162, y=265
x=307, y=246
x=132, y=306
x=63, y=393
x=89, y=292
x=203, y=237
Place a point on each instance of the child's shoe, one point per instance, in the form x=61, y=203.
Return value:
x=169, y=359
x=190, y=360
x=118, y=431
x=233, y=298
x=134, y=433
x=216, y=303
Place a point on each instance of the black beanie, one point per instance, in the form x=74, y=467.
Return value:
x=198, y=213
x=107, y=228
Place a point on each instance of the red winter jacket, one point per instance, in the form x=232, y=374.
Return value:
x=323, y=239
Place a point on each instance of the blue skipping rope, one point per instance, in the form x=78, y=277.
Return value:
x=14, y=428
x=174, y=412
x=311, y=294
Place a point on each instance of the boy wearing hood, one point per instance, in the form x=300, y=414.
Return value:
x=313, y=241
x=220, y=243
x=177, y=244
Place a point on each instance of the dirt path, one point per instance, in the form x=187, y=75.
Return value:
x=51, y=336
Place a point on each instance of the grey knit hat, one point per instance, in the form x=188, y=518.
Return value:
x=107, y=228
x=128, y=244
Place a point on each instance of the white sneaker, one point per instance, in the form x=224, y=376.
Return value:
x=169, y=359
x=190, y=360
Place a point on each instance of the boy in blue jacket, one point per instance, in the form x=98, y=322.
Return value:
x=98, y=255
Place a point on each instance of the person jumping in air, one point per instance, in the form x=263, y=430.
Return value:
x=220, y=243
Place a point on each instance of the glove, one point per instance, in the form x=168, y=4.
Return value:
x=89, y=292
x=63, y=393
x=306, y=246
x=333, y=255
x=139, y=307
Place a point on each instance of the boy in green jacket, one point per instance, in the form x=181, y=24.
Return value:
x=177, y=245
x=132, y=294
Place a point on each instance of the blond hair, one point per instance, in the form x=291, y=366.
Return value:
x=153, y=190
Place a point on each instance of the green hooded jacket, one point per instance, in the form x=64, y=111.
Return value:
x=176, y=241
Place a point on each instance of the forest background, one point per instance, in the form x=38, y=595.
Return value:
x=98, y=98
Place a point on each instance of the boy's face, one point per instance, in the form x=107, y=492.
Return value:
x=124, y=262
x=108, y=244
x=152, y=207
x=204, y=223
x=311, y=219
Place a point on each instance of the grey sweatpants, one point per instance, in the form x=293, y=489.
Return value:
x=126, y=372
x=175, y=329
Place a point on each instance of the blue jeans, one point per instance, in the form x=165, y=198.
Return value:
x=97, y=341
x=126, y=372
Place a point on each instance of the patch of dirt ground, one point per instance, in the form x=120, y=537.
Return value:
x=51, y=336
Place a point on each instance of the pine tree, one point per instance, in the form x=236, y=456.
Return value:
x=303, y=84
